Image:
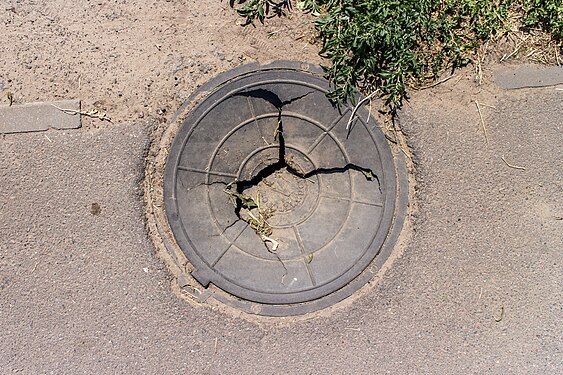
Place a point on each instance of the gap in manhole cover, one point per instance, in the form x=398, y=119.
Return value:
x=273, y=201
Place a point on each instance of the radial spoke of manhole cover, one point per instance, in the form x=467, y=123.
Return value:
x=273, y=201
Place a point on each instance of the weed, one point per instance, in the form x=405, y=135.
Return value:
x=261, y=9
x=545, y=15
x=389, y=45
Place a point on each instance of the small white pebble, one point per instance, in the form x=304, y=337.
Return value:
x=146, y=269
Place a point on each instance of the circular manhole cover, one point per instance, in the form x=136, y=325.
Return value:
x=273, y=200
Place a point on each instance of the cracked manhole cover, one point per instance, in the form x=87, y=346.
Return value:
x=273, y=201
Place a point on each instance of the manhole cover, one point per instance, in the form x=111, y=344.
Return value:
x=273, y=200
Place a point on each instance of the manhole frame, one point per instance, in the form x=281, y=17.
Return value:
x=399, y=215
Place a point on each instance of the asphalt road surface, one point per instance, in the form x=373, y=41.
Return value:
x=478, y=288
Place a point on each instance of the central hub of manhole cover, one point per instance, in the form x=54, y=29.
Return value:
x=273, y=201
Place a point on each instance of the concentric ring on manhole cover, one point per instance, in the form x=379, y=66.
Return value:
x=327, y=197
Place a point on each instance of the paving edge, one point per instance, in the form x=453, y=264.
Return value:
x=33, y=117
x=528, y=76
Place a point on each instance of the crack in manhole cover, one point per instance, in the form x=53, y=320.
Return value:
x=273, y=201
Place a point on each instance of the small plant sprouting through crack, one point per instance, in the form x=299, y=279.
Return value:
x=249, y=209
x=93, y=113
x=254, y=215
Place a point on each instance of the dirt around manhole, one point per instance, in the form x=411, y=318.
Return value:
x=272, y=205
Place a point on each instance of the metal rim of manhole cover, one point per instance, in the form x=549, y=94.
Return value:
x=273, y=200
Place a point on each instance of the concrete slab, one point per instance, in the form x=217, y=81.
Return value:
x=528, y=76
x=34, y=117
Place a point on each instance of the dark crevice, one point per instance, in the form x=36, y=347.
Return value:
x=204, y=184
x=230, y=226
x=269, y=170
x=368, y=173
x=282, y=163
x=271, y=97
x=261, y=175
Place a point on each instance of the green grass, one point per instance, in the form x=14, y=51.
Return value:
x=388, y=45
x=545, y=15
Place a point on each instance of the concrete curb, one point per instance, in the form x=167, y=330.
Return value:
x=528, y=76
x=42, y=116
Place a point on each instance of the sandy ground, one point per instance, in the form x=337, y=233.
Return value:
x=134, y=59
x=477, y=289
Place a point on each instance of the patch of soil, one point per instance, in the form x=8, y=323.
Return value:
x=134, y=60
